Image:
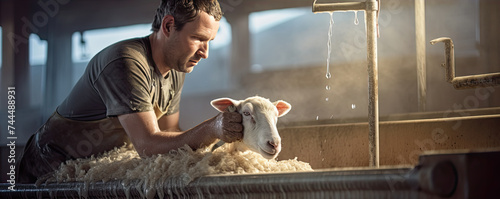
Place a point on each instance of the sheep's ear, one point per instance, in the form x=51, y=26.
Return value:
x=283, y=107
x=221, y=104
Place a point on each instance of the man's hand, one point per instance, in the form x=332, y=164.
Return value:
x=229, y=126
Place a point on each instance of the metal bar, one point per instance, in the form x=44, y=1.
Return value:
x=373, y=111
x=474, y=81
x=449, y=50
x=421, y=55
x=393, y=182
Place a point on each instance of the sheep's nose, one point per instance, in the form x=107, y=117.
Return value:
x=273, y=144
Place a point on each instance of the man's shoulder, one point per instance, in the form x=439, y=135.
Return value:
x=135, y=48
x=127, y=56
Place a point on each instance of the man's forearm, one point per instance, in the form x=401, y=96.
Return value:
x=144, y=132
x=164, y=141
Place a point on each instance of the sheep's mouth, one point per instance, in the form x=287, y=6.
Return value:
x=268, y=154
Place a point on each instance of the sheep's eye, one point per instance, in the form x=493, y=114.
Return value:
x=246, y=113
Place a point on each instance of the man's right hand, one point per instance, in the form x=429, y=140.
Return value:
x=230, y=128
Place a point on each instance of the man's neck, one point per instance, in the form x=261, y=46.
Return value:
x=158, y=57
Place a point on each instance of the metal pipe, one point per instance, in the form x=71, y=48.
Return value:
x=421, y=55
x=345, y=6
x=371, y=7
x=373, y=112
x=449, y=57
x=473, y=81
x=464, y=82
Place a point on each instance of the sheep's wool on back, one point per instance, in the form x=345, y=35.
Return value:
x=182, y=166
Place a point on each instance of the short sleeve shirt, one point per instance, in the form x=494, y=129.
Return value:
x=123, y=79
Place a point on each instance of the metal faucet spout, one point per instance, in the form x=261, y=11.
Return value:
x=330, y=7
x=369, y=5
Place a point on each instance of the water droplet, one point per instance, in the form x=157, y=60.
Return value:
x=353, y=106
x=328, y=75
x=327, y=87
x=329, y=45
x=356, y=21
x=326, y=99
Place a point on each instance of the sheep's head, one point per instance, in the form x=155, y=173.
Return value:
x=259, y=122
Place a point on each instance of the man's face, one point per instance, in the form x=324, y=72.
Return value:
x=190, y=44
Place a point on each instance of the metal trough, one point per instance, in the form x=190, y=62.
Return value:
x=462, y=174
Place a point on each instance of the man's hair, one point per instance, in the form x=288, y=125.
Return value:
x=185, y=11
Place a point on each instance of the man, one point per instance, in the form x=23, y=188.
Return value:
x=130, y=93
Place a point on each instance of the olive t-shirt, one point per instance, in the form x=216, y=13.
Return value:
x=123, y=79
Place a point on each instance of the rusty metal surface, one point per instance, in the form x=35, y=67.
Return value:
x=474, y=81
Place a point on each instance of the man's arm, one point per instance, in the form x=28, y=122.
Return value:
x=169, y=122
x=144, y=131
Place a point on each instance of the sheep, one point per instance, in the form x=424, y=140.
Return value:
x=260, y=116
